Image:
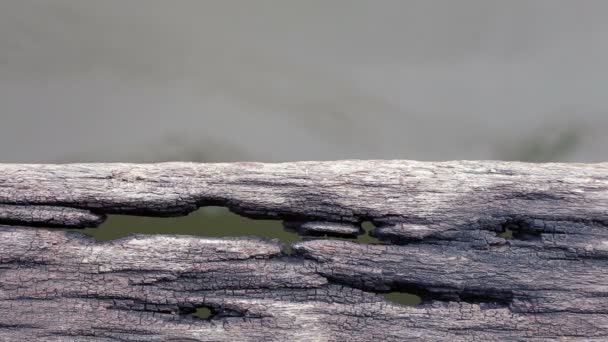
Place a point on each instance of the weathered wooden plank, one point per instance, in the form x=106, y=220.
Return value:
x=441, y=223
x=48, y=216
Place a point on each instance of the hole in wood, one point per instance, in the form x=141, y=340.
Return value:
x=202, y=313
x=210, y=221
x=414, y=294
x=492, y=298
x=519, y=231
x=507, y=233
x=367, y=226
x=197, y=312
x=207, y=221
x=403, y=298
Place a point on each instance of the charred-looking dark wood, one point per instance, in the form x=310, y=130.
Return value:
x=441, y=225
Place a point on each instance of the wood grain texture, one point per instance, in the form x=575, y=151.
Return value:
x=48, y=216
x=440, y=224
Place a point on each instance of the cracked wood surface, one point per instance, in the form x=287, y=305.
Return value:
x=440, y=224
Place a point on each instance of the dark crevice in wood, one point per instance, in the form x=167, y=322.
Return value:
x=16, y=326
x=431, y=293
x=207, y=222
x=207, y=312
x=519, y=230
x=181, y=311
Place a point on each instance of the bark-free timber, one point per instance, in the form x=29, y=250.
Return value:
x=440, y=224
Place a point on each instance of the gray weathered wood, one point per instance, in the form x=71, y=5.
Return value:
x=440, y=223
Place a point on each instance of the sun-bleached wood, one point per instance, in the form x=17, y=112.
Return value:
x=440, y=224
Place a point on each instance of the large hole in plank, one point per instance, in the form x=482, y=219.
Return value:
x=207, y=221
x=412, y=294
x=507, y=233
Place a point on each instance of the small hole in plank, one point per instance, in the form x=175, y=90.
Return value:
x=202, y=313
x=519, y=231
x=368, y=226
x=507, y=233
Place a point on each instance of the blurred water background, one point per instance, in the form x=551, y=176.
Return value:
x=281, y=80
x=278, y=80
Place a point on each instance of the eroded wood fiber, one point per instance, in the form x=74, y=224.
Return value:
x=440, y=223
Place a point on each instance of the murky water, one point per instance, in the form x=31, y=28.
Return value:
x=202, y=313
x=207, y=221
x=403, y=298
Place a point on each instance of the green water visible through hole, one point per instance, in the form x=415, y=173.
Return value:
x=219, y=222
x=202, y=313
x=207, y=221
x=403, y=298
x=367, y=238
x=507, y=234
